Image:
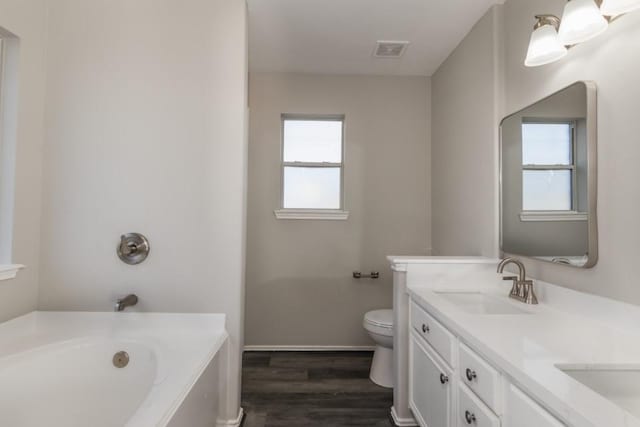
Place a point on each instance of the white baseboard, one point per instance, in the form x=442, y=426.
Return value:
x=232, y=423
x=309, y=347
x=402, y=422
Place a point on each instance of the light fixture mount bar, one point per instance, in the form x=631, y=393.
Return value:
x=547, y=20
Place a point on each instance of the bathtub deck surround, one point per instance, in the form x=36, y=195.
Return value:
x=555, y=356
x=154, y=368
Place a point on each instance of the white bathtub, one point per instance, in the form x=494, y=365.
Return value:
x=56, y=369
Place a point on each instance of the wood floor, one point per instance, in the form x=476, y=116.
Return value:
x=312, y=389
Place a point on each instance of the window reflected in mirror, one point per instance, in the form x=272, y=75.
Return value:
x=547, y=197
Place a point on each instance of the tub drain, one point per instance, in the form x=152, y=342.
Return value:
x=121, y=359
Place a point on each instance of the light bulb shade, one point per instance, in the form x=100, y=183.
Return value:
x=618, y=7
x=581, y=21
x=544, y=47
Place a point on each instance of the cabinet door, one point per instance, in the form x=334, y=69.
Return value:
x=430, y=388
x=522, y=411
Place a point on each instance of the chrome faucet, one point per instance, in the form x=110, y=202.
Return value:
x=128, y=301
x=522, y=289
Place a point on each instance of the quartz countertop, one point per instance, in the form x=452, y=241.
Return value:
x=527, y=347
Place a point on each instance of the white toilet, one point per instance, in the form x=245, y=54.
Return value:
x=379, y=325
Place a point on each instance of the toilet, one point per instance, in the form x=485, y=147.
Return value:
x=379, y=325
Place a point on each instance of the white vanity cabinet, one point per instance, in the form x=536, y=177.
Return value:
x=431, y=389
x=451, y=385
x=522, y=411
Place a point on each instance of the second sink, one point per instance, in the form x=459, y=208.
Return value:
x=480, y=303
x=619, y=384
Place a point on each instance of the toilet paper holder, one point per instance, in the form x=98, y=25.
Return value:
x=372, y=275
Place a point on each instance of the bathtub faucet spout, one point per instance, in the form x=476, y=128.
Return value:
x=128, y=301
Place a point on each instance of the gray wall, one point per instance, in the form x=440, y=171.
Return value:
x=610, y=60
x=299, y=289
x=466, y=97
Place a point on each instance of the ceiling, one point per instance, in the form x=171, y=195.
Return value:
x=339, y=36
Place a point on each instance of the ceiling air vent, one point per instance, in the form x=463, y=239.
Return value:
x=390, y=49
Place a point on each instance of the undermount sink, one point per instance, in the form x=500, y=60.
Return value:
x=480, y=303
x=619, y=384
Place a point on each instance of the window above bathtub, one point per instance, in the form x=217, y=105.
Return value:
x=8, y=137
x=312, y=167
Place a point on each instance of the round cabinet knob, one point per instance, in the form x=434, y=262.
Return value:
x=444, y=379
x=425, y=328
x=471, y=375
x=469, y=417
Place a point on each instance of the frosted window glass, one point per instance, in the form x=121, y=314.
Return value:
x=546, y=144
x=311, y=188
x=312, y=141
x=546, y=190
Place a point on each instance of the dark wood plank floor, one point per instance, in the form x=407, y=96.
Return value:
x=312, y=389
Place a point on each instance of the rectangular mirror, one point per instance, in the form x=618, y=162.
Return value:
x=548, y=179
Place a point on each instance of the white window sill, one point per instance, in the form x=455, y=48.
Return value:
x=312, y=214
x=10, y=271
x=552, y=216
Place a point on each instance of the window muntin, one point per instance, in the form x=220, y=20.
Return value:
x=312, y=162
x=548, y=166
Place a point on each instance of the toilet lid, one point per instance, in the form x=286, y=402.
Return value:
x=382, y=318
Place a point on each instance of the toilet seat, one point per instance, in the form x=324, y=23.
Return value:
x=379, y=322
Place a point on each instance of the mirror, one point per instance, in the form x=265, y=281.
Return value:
x=548, y=179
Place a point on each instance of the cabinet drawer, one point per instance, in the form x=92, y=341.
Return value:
x=433, y=332
x=522, y=411
x=472, y=412
x=480, y=377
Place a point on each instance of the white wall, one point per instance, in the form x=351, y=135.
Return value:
x=465, y=109
x=612, y=61
x=145, y=132
x=25, y=19
x=299, y=286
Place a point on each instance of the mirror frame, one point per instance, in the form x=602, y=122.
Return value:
x=592, y=174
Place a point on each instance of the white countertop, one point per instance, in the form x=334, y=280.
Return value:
x=527, y=347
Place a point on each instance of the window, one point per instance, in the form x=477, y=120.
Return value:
x=548, y=168
x=312, y=167
x=9, y=45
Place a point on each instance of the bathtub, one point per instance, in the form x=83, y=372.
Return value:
x=60, y=369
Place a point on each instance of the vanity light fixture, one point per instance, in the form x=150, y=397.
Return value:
x=582, y=20
x=618, y=7
x=544, y=46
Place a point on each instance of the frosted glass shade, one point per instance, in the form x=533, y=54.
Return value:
x=581, y=21
x=618, y=7
x=544, y=47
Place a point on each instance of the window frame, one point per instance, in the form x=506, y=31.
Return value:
x=8, y=135
x=555, y=215
x=312, y=213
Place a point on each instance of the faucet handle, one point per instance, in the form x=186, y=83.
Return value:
x=529, y=295
x=514, y=289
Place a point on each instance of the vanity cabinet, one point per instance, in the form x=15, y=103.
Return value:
x=451, y=385
x=431, y=390
x=522, y=411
